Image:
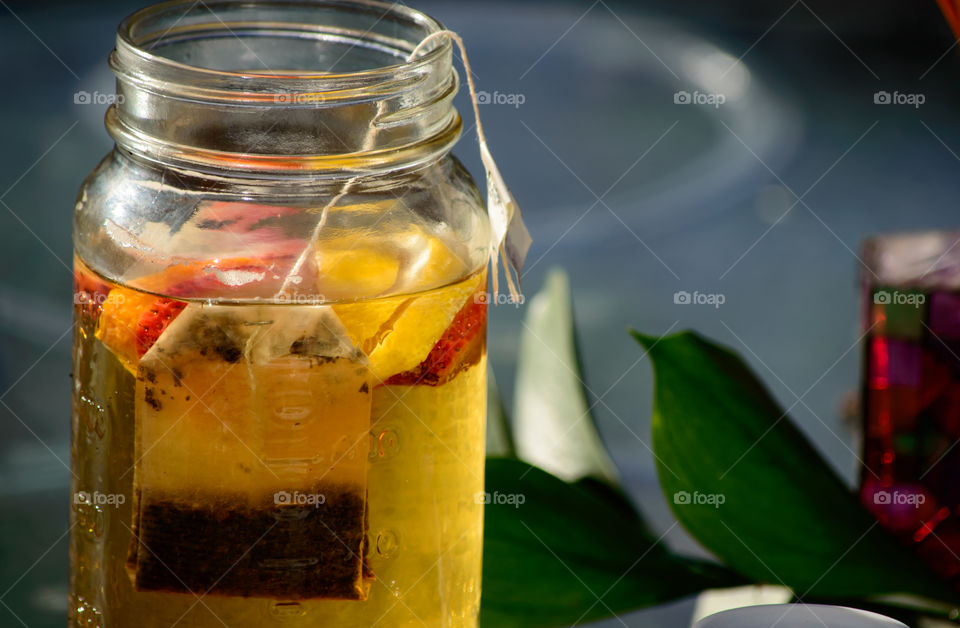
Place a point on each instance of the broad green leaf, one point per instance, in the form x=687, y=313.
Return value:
x=786, y=518
x=499, y=441
x=553, y=426
x=552, y=548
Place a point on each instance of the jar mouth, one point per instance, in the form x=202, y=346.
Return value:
x=283, y=85
x=200, y=49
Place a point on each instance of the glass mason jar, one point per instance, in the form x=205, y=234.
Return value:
x=279, y=355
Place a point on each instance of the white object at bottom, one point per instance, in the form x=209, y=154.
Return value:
x=797, y=616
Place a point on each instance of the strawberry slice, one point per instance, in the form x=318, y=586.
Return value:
x=460, y=347
x=231, y=278
x=132, y=321
x=154, y=321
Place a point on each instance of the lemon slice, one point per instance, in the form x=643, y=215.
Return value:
x=119, y=324
x=397, y=333
x=349, y=272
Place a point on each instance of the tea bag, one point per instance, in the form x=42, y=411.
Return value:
x=252, y=430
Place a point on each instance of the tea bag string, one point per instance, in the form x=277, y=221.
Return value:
x=455, y=38
x=511, y=240
x=293, y=277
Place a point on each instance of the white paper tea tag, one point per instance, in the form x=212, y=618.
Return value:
x=510, y=239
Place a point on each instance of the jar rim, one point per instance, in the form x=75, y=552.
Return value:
x=135, y=49
x=182, y=100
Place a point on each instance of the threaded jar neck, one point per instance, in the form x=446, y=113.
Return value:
x=317, y=88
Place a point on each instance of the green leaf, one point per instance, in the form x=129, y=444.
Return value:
x=552, y=548
x=554, y=428
x=499, y=440
x=785, y=517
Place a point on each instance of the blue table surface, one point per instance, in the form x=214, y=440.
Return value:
x=636, y=196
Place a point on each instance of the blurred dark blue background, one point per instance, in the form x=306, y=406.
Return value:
x=637, y=195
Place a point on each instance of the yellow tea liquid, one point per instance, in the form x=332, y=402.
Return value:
x=193, y=449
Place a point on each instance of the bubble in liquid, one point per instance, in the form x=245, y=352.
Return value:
x=387, y=543
x=89, y=518
x=92, y=416
x=84, y=614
